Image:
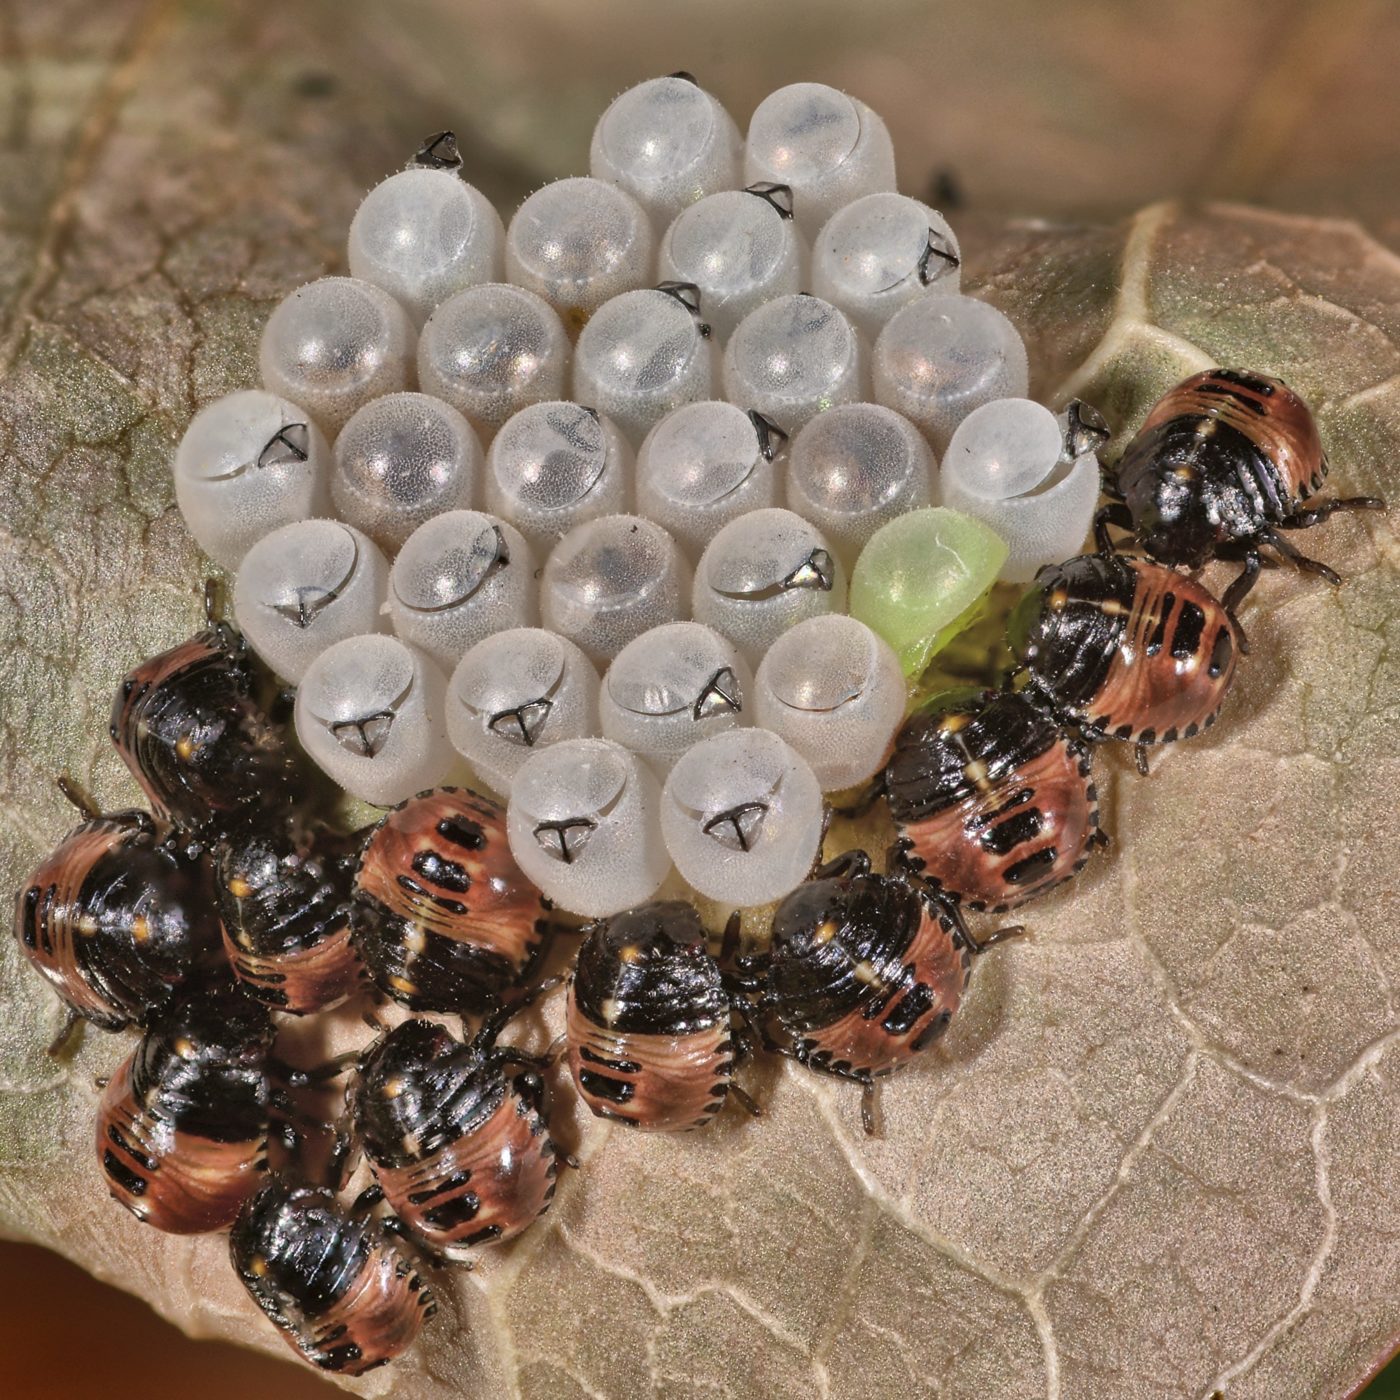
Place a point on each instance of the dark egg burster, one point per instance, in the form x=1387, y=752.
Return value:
x=188, y=726
x=327, y=1277
x=459, y=1145
x=117, y=921
x=182, y=1128
x=993, y=801
x=648, y=1021
x=285, y=907
x=1125, y=648
x=442, y=916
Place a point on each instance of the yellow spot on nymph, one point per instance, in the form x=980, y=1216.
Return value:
x=1184, y=473
x=866, y=973
x=950, y=724
x=1058, y=600
x=239, y=888
x=393, y=1088
x=611, y=1010
x=184, y=747
x=976, y=773
x=825, y=932
x=87, y=925
x=630, y=954
x=140, y=928
x=257, y=1266
x=1111, y=607
x=402, y=984
x=415, y=938
x=184, y=1048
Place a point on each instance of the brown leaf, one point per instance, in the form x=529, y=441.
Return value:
x=1154, y=1156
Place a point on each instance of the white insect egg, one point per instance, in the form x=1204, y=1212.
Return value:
x=705, y=464
x=667, y=142
x=335, y=344
x=554, y=466
x=579, y=242
x=835, y=692
x=460, y=577
x=880, y=252
x=517, y=692
x=761, y=574
x=249, y=462
x=582, y=824
x=305, y=587
x=939, y=357
x=853, y=468
x=400, y=461
x=423, y=235
x=609, y=580
x=740, y=247
x=670, y=688
x=643, y=354
x=830, y=149
x=369, y=712
x=794, y=357
x=742, y=815
x=492, y=350
x=1032, y=477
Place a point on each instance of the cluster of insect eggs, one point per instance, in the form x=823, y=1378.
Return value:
x=617, y=521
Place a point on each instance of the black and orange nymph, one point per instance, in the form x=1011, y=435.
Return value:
x=1223, y=464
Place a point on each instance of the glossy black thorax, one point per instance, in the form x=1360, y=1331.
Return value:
x=648, y=971
x=838, y=943
x=420, y=1088
x=988, y=733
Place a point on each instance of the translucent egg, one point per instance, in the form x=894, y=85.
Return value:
x=740, y=247
x=742, y=816
x=1033, y=477
x=939, y=357
x=794, y=357
x=423, y=235
x=460, y=577
x=854, y=467
x=830, y=149
x=705, y=464
x=492, y=350
x=400, y=461
x=672, y=687
x=578, y=242
x=369, y=712
x=610, y=580
x=642, y=355
x=921, y=579
x=517, y=692
x=666, y=142
x=880, y=252
x=834, y=691
x=305, y=587
x=760, y=574
x=335, y=344
x=582, y=825
x=553, y=466
x=248, y=463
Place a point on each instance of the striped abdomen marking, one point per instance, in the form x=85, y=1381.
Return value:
x=179, y=1182
x=900, y=1017
x=375, y=1319
x=1266, y=412
x=486, y=1186
x=660, y=1083
x=52, y=915
x=1014, y=839
x=1175, y=662
x=440, y=863
x=303, y=980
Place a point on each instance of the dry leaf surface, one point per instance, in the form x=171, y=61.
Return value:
x=1154, y=1156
